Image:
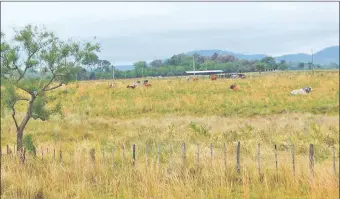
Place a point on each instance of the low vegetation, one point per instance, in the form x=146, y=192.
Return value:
x=167, y=114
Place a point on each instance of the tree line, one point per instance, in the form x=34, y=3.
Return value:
x=179, y=63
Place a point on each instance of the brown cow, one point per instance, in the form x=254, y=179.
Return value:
x=147, y=85
x=195, y=79
x=234, y=87
x=213, y=77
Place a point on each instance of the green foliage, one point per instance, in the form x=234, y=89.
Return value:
x=199, y=130
x=29, y=144
x=301, y=65
x=54, y=62
x=260, y=67
x=283, y=66
x=269, y=63
x=140, y=66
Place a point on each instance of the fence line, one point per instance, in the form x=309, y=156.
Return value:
x=22, y=156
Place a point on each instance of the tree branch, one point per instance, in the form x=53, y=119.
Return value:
x=13, y=116
x=13, y=110
x=52, y=88
x=51, y=80
x=31, y=55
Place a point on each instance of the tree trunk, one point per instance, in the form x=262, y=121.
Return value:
x=20, y=129
x=19, y=139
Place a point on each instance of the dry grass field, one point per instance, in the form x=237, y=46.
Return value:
x=164, y=116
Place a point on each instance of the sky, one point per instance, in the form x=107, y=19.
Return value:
x=130, y=32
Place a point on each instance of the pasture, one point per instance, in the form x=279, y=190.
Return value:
x=160, y=118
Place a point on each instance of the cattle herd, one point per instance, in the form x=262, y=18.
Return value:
x=234, y=87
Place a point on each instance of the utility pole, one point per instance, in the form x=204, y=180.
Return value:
x=113, y=72
x=193, y=63
x=312, y=59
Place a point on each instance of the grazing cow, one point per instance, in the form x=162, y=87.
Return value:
x=132, y=85
x=112, y=85
x=302, y=91
x=195, y=79
x=213, y=77
x=147, y=85
x=187, y=78
x=234, y=87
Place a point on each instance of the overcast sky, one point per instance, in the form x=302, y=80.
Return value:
x=135, y=31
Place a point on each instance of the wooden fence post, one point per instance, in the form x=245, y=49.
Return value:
x=113, y=157
x=198, y=155
x=275, y=157
x=103, y=155
x=238, y=169
x=293, y=159
x=258, y=159
x=42, y=153
x=7, y=152
x=334, y=163
x=211, y=155
x=35, y=152
x=60, y=155
x=133, y=154
x=311, y=158
x=146, y=155
x=183, y=153
x=123, y=154
x=171, y=153
x=225, y=155
x=53, y=154
x=92, y=155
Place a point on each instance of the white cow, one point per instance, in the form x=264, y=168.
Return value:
x=302, y=91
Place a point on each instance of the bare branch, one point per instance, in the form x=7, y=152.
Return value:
x=51, y=80
x=52, y=88
x=23, y=99
x=13, y=116
x=31, y=55
x=13, y=110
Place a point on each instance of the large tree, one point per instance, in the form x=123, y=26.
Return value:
x=283, y=65
x=270, y=63
x=140, y=66
x=301, y=65
x=260, y=66
x=36, y=50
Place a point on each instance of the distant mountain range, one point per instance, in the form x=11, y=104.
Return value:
x=325, y=56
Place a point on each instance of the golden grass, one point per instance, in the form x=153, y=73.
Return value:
x=175, y=111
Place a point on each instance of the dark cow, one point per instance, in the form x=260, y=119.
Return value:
x=234, y=87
